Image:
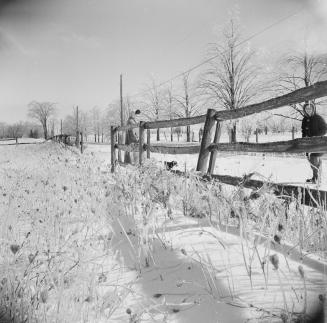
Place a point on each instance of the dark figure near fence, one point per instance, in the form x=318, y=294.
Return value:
x=313, y=125
x=170, y=164
x=132, y=138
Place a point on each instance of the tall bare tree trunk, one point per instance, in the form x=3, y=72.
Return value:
x=45, y=130
x=188, y=133
x=234, y=133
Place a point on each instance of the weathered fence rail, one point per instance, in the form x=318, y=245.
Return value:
x=9, y=139
x=305, y=194
x=212, y=128
x=312, y=92
x=17, y=141
x=300, y=145
x=162, y=149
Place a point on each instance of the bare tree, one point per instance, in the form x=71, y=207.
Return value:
x=15, y=130
x=52, y=123
x=3, y=127
x=84, y=124
x=112, y=113
x=231, y=78
x=153, y=104
x=111, y=117
x=170, y=107
x=42, y=111
x=300, y=69
x=129, y=107
x=69, y=125
x=187, y=103
x=31, y=129
x=96, y=120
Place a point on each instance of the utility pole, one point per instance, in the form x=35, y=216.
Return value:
x=120, y=135
x=121, y=101
x=61, y=126
x=77, y=118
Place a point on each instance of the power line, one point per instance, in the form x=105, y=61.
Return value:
x=215, y=56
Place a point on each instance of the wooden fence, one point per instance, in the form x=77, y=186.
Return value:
x=16, y=141
x=71, y=140
x=208, y=149
x=9, y=139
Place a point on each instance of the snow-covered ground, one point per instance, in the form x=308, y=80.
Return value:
x=21, y=141
x=73, y=241
x=277, y=168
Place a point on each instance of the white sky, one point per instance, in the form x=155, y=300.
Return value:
x=73, y=51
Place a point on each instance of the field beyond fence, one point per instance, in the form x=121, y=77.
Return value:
x=210, y=144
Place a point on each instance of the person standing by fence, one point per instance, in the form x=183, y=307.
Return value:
x=313, y=125
x=132, y=138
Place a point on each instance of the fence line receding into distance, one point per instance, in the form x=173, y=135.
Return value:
x=212, y=128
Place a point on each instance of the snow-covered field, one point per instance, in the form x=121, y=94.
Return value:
x=21, y=141
x=277, y=168
x=79, y=244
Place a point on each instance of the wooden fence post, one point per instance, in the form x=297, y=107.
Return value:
x=82, y=142
x=206, y=140
x=148, y=143
x=213, y=154
x=293, y=133
x=113, y=153
x=77, y=139
x=120, y=139
x=141, y=141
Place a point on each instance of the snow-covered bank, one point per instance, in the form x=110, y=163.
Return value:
x=55, y=263
x=79, y=244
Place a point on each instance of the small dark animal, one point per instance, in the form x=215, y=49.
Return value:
x=170, y=164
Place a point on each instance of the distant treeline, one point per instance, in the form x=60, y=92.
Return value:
x=20, y=129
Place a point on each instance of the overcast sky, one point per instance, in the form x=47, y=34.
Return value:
x=73, y=51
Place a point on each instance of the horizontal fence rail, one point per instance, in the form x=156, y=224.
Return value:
x=308, y=196
x=23, y=143
x=17, y=141
x=162, y=149
x=305, y=194
x=175, y=150
x=296, y=146
x=175, y=122
x=166, y=123
x=125, y=128
x=7, y=139
x=312, y=92
x=213, y=125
